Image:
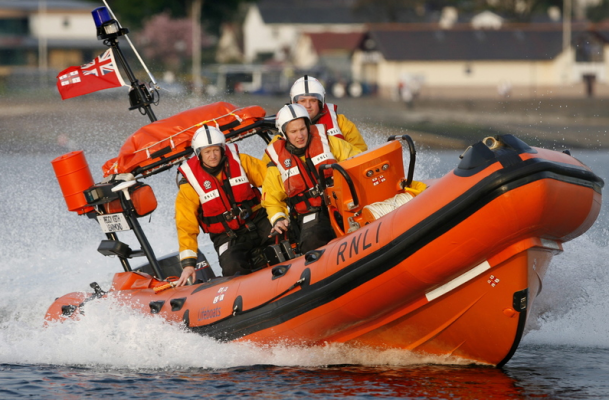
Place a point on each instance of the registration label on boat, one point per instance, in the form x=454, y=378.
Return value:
x=113, y=223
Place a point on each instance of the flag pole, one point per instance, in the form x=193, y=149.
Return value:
x=108, y=30
x=135, y=51
x=140, y=96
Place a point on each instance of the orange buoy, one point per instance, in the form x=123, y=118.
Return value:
x=74, y=176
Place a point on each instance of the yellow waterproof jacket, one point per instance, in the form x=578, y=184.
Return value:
x=273, y=191
x=351, y=133
x=187, y=206
x=349, y=130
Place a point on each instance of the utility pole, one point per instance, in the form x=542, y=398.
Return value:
x=566, y=36
x=43, y=57
x=197, y=5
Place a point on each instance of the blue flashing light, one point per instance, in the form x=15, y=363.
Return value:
x=101, y=16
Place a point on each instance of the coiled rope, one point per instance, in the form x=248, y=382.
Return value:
x=381, y=208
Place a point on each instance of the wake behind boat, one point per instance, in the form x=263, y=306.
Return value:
x=453, y=270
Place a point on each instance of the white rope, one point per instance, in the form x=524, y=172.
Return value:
x=381, y=208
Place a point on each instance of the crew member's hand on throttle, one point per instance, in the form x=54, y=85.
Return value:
x=186, y=273
x=280, y=226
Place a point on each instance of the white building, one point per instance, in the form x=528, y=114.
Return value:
x=47, y=33
x=272, y=28
x=331, y=51
x=517, y=60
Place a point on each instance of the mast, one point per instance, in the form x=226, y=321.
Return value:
x=108, y=29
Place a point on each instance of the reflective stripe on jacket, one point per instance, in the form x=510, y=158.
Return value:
x=330, y=120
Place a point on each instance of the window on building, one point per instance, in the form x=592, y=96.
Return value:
x=264, y=57
x=235, y=81
x=13, y=57
x=14, y=27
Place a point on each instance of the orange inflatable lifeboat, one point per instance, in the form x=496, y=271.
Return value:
x=446, y=267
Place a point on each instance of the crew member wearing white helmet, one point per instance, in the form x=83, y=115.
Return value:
x=220, y=194
x=310, y=93
x=292, y=177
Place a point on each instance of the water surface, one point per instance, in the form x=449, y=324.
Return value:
x=45, y=252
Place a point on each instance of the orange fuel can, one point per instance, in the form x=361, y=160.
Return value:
x=74, y=176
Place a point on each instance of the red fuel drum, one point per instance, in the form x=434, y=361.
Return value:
x=74, y=176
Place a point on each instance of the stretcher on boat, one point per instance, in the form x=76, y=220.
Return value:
x=453, y=269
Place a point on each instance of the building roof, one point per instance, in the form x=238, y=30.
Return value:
x=32, y=5
x=314, y=12
x=328, y=41
x=464, y=43
x=603, y=33
x=359, y=12
x=330, y=12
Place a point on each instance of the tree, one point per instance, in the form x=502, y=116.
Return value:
x=599, y=12
x=133, y=13
x=174, y=46
x=519, y=10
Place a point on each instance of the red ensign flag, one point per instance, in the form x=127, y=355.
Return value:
x=99, y=74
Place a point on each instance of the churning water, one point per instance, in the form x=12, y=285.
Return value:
x=45, y=252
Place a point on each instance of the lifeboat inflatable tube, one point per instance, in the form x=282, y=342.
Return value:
x=455, y=271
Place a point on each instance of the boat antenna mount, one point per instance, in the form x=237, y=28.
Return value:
x=109, y=30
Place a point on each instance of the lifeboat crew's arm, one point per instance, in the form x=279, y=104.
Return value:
x=254, y=168
x=351, y=133
x=342, y=149
x=273, y=193
x=274, y=196
x=187, y=208
x=187, y=224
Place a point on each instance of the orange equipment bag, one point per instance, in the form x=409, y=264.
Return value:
x=143, y=198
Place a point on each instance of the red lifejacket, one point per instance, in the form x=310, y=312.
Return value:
x=299, y=182
x=221, y=211
x=330, y=119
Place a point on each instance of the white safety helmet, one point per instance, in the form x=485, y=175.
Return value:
x=308, y=86
x=289, y=113
x=207, y=136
